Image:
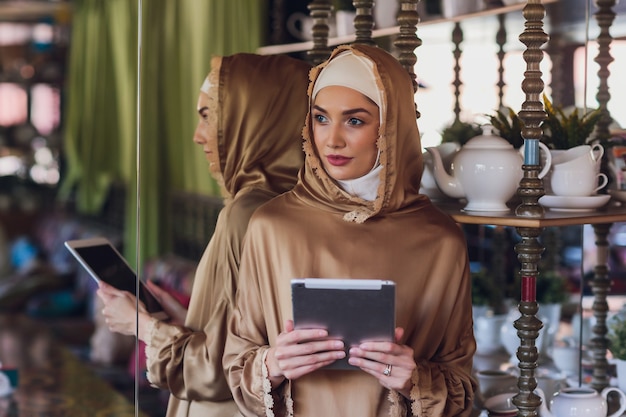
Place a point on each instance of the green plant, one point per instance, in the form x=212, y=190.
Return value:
x=460, y=132
x=551, y=287
x=560, y=129
x=485, y=292
x=617, y=337
x=508, y=125
x=564, y=131
x=343, y=5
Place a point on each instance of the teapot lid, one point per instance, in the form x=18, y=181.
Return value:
x=488, y=140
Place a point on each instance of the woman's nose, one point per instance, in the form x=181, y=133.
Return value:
x=335, y=138
x=199, y=136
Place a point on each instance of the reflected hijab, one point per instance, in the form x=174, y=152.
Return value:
x=251, y=100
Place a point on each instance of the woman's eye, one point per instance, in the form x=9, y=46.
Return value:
x=354, y=121
x=320, y=118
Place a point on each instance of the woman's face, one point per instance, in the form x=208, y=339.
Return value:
x=202, y=136
x=345, y=129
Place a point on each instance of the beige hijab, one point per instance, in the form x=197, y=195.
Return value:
x=399, y=145
x=255, y=104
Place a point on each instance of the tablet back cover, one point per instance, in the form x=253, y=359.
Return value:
x=354, y=310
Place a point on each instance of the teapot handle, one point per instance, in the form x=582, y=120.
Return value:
x=622, y=400
x=597, y=151
x=548, y=162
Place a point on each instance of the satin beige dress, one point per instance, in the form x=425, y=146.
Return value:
x=318, y=230
x=257, y=106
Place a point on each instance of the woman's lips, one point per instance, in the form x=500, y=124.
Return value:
x=337, y=160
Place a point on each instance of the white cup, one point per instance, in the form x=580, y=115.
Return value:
x=582, y=154
x=492, y=382
x=576, y=182
x=487, y=331
x=566, y=359
x=576, y=170
x=345, y=22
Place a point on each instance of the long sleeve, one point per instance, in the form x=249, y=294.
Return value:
x=246, y=344
x=443, y=385
x=196, y=353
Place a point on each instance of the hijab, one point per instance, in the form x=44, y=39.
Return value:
x=251, y=100
x=398, y=143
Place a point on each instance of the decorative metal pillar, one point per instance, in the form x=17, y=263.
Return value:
x=532, y=112
x=277, y=31
x=501, y=41
x=529, y=250
x=457, y=38
x=561, y=82
x=320, y=12
x=600, y=286
x=605, y=17
x=364, y=21
x=408, y=41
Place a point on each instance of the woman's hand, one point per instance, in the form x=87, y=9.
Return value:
x=120, y=309
x=299, y=352
x=391, y=363
x=174, y=309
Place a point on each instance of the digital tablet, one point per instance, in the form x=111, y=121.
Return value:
x=104, y=263
x=354, y=310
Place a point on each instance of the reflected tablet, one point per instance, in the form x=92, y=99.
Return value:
x=354, y=310
x=103, y=262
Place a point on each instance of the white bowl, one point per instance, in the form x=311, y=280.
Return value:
x=501, y=405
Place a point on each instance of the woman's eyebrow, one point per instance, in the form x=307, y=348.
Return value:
x=345, y=112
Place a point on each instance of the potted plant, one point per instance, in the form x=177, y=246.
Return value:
x=564, y=131
x=617, y=347
x=489, y=312
x=460, y=132
x=343, y=5
x=561, y=129
x=486, y=294
x=508, y=125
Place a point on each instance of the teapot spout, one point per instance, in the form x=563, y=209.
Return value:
x=447, y=183
x=543, y=408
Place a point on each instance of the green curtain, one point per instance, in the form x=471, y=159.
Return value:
x=179, y=39
x=99, y=102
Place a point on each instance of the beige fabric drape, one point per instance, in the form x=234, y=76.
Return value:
x=319, y=231
x=257, y=105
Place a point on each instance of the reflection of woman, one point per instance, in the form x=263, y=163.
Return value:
x=251, y=114
x=355, y=213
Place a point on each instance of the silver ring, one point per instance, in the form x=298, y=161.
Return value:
x=387, y=371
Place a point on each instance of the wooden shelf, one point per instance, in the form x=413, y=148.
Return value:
x=32, y=10
x=391, y=31
x=613, y=212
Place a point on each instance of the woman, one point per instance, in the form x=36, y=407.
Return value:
x=251, y=110
x=355, y=213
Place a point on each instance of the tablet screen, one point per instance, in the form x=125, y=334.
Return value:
x=104, y=263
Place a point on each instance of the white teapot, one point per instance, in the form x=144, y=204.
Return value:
x=486, y=171
x=580, y=402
